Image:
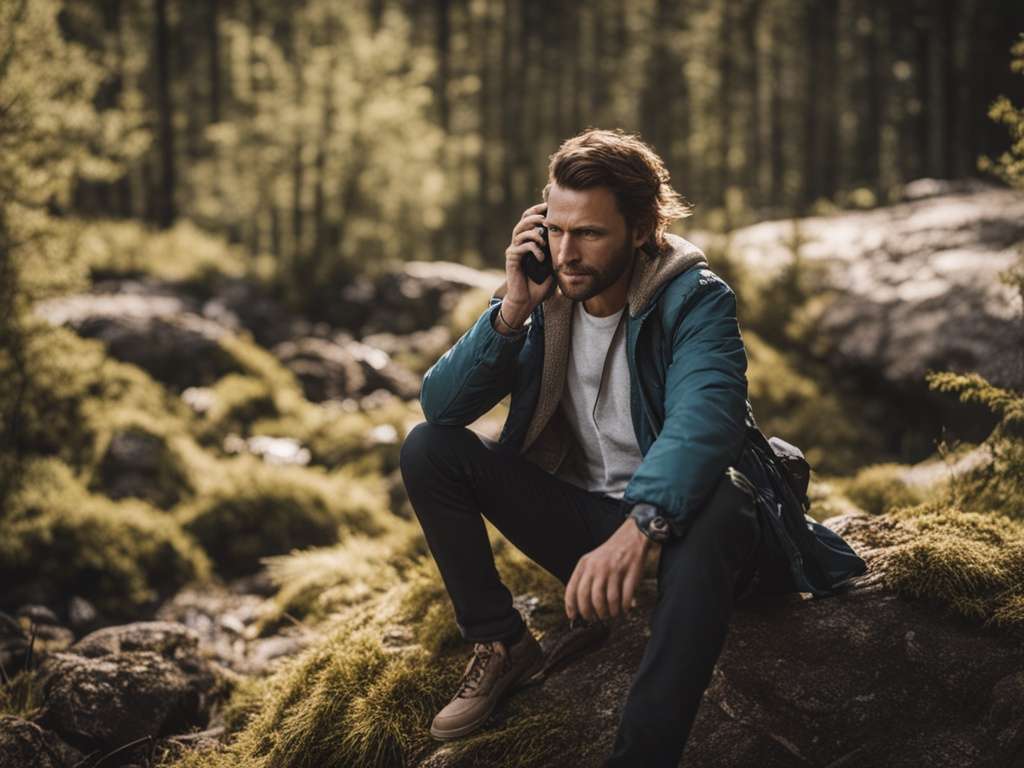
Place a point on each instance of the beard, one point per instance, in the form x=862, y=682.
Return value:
x=597, y=281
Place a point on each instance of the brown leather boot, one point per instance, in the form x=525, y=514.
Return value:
x=491, y=671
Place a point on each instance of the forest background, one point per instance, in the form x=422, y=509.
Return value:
x=249, y=176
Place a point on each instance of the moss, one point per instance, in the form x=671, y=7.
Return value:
x=238, y=401
x=880, y=487
x=60, y=540
x=253, y=510
x=970, y=562
x=76, y=396
x=254, y=361
x=315, y=583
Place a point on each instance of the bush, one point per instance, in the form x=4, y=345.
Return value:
x=60, y=540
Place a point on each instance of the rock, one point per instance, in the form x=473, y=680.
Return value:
x=37, y=614
x=82, y=615
x=127, y=682
x=227, y=623
x=273, y=450
x=139, y=464
x=115, y=699
x=907, y=288
x=156, y=333
x=339, y=368
x=24, y=743
x=168, y=639
x=241, y=303
x=860, y=679
x=326, y=370
x=414, y=296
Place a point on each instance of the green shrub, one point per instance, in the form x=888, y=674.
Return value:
x=881, y=487
x=997, y=485
x=60, y=540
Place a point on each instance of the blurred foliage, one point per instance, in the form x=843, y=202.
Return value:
x=881, y=487
x=256, y=510
x=60, y=540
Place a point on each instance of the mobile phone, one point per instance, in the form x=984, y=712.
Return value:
x=539, y=271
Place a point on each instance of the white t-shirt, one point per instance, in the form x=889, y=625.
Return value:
x=596, y=404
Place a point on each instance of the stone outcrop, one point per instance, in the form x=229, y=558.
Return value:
x=911, y=286
x=864, y=678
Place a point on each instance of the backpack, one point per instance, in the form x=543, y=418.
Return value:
x=819, y=560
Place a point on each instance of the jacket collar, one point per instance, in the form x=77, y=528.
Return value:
x=649, y=277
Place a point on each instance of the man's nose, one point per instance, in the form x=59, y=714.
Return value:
x=564, y=253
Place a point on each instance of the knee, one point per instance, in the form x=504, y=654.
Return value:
x=415, y=446
x=424, y=441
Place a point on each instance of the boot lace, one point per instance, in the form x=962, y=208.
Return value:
x=482, y=653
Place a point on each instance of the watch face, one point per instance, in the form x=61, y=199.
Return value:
x=659, y=527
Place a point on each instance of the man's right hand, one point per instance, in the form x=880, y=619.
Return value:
x=522, y=294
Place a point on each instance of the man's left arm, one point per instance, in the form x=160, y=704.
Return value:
x=705, y=416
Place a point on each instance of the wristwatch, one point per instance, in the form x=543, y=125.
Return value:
x=651, y=522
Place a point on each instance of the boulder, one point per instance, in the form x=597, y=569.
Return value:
x=414, y=296
x=139, y=464
x=124, y=683
x=339, y=368
x=24, y=743
x=909, y=287
x=157, y=333
x=864, y=678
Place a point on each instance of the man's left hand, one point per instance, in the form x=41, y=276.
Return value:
x=603, y=583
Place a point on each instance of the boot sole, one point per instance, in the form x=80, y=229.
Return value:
x=508, y=688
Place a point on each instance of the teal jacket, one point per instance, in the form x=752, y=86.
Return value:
x=688, y=392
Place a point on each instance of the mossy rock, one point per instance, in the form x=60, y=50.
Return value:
x=368, y=442
x=74, y=395
x=256, y=510
x=60, y=540
x=142, y=464
x=238, y=402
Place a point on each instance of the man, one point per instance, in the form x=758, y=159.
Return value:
x=628, y=380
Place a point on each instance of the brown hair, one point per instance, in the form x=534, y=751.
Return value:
x=632, y=171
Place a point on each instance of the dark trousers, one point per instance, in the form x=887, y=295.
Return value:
x=455, y=478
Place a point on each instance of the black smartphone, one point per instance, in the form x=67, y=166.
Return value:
x=539, y=271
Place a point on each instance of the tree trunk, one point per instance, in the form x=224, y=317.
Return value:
x=166, y=212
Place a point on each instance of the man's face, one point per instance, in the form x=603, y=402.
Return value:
x=590, y=245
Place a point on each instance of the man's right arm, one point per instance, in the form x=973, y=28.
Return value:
x=477, y=372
